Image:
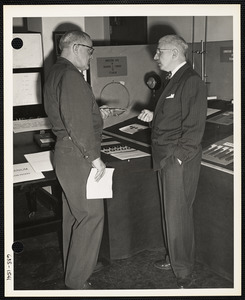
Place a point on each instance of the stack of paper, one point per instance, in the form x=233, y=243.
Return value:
x=41, y=161
x=101, y=189
x=24, y=172
x=32, y=170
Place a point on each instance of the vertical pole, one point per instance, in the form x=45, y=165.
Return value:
x=205, y=48
x=202, y=63
x=193, y=38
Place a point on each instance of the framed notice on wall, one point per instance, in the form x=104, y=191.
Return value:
x=226, y=54
x=27, y=88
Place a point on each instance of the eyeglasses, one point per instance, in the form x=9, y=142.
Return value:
x=159, y=50
x=90, y=49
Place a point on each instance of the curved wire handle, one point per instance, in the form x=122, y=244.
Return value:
x=117, y=110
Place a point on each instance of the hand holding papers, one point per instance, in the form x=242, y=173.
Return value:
x=101, y=189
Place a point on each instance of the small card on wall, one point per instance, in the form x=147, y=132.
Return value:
x=101, y=189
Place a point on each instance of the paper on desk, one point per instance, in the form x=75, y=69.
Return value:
x=40, y=161
x=101, y=189
x=133, y=128
x=31, y=125
x=130, y=154
x=211, y=111
x=24, y=172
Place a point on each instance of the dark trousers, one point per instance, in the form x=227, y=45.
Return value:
x=177, y=185
x=82, y=219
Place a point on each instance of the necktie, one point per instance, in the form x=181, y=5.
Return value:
x=168, y=75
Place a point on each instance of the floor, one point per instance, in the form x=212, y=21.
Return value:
x=39, y=267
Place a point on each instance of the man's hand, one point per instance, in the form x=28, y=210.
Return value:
x=146, y=115
x=100, y=166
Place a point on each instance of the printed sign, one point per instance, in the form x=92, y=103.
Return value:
x=112, y=66
x=226, y=54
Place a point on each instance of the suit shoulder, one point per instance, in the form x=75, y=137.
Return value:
x=190, y=72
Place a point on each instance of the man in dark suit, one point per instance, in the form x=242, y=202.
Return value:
x=77, y=123
x=178, y=124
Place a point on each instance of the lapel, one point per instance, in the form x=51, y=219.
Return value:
x=172, y=86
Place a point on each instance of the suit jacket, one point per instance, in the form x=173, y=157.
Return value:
x=179, y=118
x=72, y=109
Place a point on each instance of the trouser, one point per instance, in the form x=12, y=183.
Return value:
x=82, y=219
x=177, y=185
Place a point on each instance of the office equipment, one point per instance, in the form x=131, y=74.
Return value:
x=117, y=77
x=122, y=151
x=221, y=152
x=31, y=125
x=45, y=140
x=107, y=143
x=153, y=81
x=116, y=95
x=226, y=118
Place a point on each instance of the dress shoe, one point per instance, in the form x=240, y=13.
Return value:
x=187, y=282
x=86, y=286
x=163, y=264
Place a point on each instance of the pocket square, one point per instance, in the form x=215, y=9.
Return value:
x=170, y=96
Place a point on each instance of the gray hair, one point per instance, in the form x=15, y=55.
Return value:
x=177, y=41
x=72, y=36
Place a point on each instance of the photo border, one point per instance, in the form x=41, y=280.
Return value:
x=7, y=173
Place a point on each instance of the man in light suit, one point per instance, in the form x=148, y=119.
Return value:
x=178, y=124
x=77, y=123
